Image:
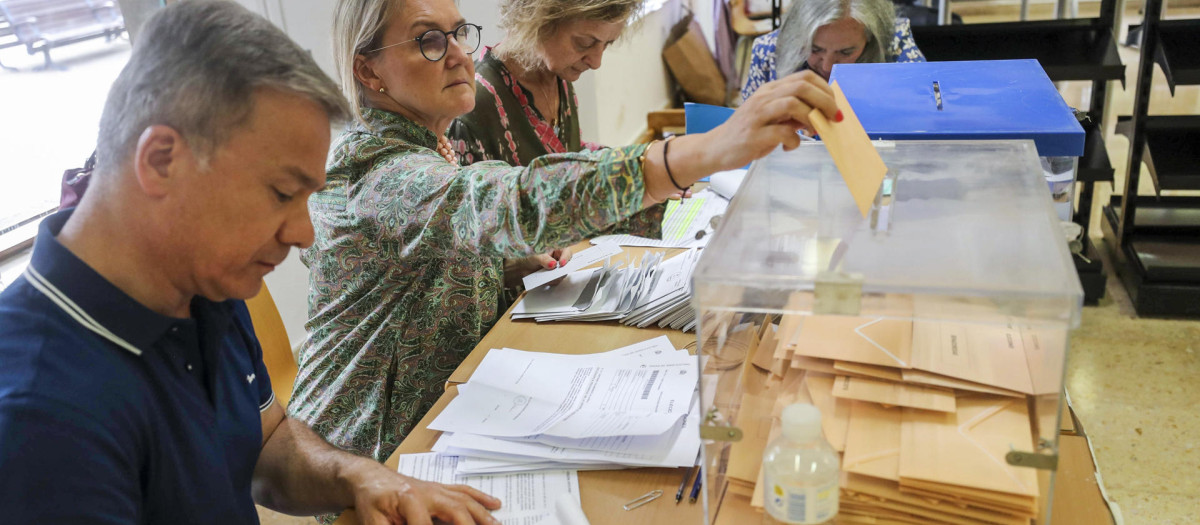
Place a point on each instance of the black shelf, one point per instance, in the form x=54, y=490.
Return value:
x=1173, y=151
x=1160, y=270
x=1094, y=166
x=1177, y=216
x=1074, y=49
x=1178, y=53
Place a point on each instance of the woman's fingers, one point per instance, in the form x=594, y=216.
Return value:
x=545, y=261
x=772, y=117
x=787, y=110
x=816, y=94
x=563, y=256
x=789, y=138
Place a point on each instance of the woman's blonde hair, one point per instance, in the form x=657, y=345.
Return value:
x=800, y=23
x=358, y=25
x=528, y=22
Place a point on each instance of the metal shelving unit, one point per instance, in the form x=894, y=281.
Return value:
x=1156, y=240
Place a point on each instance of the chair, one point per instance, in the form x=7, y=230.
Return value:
x=694, y=118
x=661, y=121
x=277, y=348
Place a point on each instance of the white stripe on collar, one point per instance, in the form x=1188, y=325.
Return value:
x=267, y=404
x=67, y=305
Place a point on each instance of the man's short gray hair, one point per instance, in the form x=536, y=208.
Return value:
x=195, y=67
x=803, y=18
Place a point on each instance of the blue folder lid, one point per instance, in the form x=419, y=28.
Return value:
x=703, y=117
x=981, y=100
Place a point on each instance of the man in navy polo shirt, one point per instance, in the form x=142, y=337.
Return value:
x=132, y=388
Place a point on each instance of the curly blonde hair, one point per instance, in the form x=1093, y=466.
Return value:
x=529, y=22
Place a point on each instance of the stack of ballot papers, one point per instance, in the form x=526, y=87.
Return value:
x=923, y=412
x=527, y=499
x=648, y=291
x=636, y=406
x=687, y=223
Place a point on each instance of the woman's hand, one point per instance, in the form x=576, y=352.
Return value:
x=771, y=117
x=554, y=259
x=517, y=269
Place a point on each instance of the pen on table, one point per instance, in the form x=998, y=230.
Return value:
x=696, y=487
x=683, y=484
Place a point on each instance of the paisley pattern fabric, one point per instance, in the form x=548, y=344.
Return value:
x=506, y=126
x=406, y=269
x=762, y=56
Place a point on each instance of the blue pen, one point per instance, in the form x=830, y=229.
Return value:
x=696, y=486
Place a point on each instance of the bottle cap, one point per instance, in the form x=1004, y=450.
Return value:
x=801, y=422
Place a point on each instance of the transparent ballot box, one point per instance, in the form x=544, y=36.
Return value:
x=932, y=334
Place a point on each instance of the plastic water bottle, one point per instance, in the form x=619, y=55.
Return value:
x=800, y=470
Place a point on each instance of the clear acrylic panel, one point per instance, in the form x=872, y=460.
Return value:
x=943, y=316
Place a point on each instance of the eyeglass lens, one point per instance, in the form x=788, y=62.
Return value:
x=434, y=42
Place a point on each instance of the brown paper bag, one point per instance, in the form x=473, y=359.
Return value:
x=692, y=64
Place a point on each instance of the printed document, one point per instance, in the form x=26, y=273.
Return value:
x=515, y=393
x=526, y=498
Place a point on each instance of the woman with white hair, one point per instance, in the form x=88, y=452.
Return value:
x=818, y=34
x=406, y=266
x=525, y=104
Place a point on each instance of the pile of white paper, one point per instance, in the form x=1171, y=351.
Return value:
x=526, y=499
x=636, y=406
x=651, y=291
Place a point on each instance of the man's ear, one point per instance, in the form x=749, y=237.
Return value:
x=365, y=74
x=159, y=159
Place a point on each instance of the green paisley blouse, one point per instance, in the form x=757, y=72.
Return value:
x=407, y=267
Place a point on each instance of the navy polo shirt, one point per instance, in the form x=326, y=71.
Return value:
x=112, y=413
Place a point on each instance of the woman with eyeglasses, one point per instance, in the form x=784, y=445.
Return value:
x=525, y=104
x=406, y=267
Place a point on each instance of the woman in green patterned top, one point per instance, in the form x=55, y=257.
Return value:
x=406, y=267
x=525, y=104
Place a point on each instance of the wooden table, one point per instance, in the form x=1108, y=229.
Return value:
x=1077, y=498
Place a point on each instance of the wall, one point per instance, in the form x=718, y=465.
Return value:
x=612, y=106
x=631, y=81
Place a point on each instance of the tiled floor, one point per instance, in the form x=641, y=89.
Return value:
x=1132, y=381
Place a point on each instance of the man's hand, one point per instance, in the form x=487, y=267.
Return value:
x=299, y=473
x=383, y=497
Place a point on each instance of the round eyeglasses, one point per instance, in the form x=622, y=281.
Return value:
x=435, y=42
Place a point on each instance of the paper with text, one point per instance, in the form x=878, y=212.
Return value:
x=515, y=393
x=526, y=498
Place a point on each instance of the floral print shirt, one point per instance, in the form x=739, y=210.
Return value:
x=406, y=269
x=506, y=126
x=762, y=56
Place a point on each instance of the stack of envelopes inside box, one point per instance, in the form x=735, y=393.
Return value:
x=923, y=413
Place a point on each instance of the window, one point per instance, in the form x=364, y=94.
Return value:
x=50, y=108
